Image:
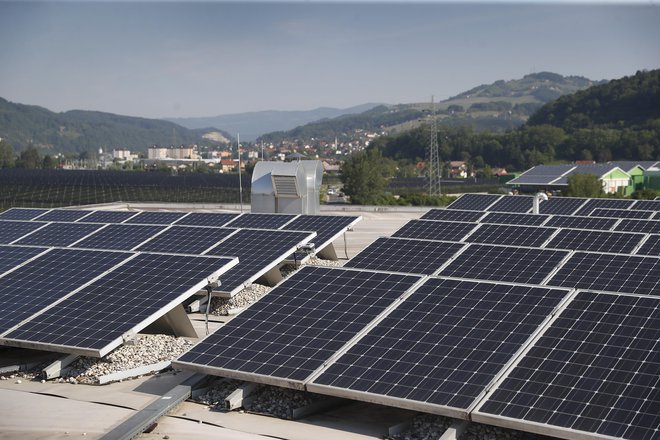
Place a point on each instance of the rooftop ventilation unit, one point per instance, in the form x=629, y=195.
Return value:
x=287, y=187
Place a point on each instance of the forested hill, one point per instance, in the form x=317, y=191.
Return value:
x=78, y=131
x=626, y=102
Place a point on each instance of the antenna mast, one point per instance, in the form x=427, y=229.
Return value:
x=240, y=182
x=435, y=168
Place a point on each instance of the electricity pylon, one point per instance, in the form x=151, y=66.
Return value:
x=434, y=166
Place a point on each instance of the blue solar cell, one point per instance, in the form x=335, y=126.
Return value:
x=577, y=222
x=22, y=213
x=595, y=370
x=610, y=273
x=404, y=255
x=107, y=217
x=512, y=204
x=596, y=241
x=66, y=270
x=126, y=299
x=647, y=205
x=514, y=218
x=13, y=230
x=533, y=236
x=186, y=240
x=12, y=256
x=622, y=213
x=455, y=215
x=435, y=230
x=156, y=218
x=651, y=246
x=504, y=263
x=261, y=221
x=327, y=227
x=592, y=204
x=444, y=344
x=120, y=237
x=474, y=202
x=63, y=215
x=561, y=205
x=59, y=234
x=293, y=330
x=206, y=219
x=644, y=226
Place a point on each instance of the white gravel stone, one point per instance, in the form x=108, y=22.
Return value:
x=280, y=402
x=247, y=296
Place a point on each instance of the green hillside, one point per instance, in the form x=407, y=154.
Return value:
x=78, y=131
x=500, y=106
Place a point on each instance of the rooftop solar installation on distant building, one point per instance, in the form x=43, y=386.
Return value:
x=156, y=217
x=404, y=255
x=59, y=234
x=12, y=256
x=119, y=237
x=215, y=219
x=63, y=215
x=610, y=273
x=512, y=204
x=514, y=218
x=455, y=215
x=191, y=240
x=298, y=326
x=22, y=213
x=595, y=370
x=435, y=230
x=474, y=202
x=260, y=221
x=596, y=241
x=561, y=205
x=542, y=175
x=576, y=222
x=651, y=246
x=258, y=251
x=533, y=236
x=644, y=226
x=592, y=204
x=49, y=278
x=622, y=213
x=13, y=230
x=504, y=263
x=93, y=320
x=441, y=346
x=107, y=217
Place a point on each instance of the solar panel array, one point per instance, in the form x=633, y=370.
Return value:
x=532, y=321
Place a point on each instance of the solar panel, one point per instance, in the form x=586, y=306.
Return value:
x=456, y=215
x=186, y=240
x=532, y=236
x=261, y=221
x=119, y=236
x=542, y=175
x=21, y=213
x=289, y=333
x=48, y=278
x=610, y=273
x=561, y=205
x=13, y=230
x=651, y=246
x=512, y=204
x=514, y=218
x=12, y=256
x=206, y=219
x=644, y=226
x=435, y=230
x=441, y=346
x=474, y=202
x=107, y=217
x=59, y=234
x=575, y=222
x=603, y=203
x=94, y=320
x=596, y=241
x=258, y=251
x=503, y=263
x=595, y=370
x=63, y=215
x=647, y=205
x=622, y=213
x=404, y=255
x=327, y=227
x=156, y=218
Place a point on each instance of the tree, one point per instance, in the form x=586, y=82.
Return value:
x=584, y=185
x=48, y=163
x=30, y=158
x=364, y=176
x=7, y=158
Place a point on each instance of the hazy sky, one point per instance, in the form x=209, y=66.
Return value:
x=179, y=59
